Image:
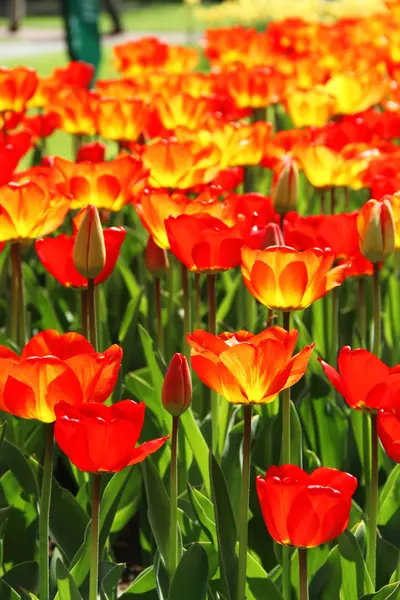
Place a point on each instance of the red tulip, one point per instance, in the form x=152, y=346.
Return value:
x=177, y=386
x=102, y=439
x=389, y=433
x=56, y=255
x=305, y=510
x=94, y=152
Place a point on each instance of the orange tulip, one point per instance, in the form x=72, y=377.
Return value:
x=253, y=88
x=108, y=185
x=150, y=54
x=77, y=110
x=310, y=107
x=240, y=144
x=376, y=230
x=182, y=110
x=355, y=93
x=17, y=86
x=246, y=368
x=284, y=279
x=54, y=367
x=121, y=120
x=76, y=74
x=173, y=164
x=30, y=210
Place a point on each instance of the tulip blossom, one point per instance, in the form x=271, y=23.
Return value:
x=94, y=152
x=89, y=248
x=56, y=255
x=286, y=188
x=29, y=210
x=389, y=433
x=156, y=258
x=376, y=230
x=284, y=279
x=246, y=368
x=304, y=510
x=364, y=381
x=207, y=245
x=121, y=120
x=108, y=185
x=310, y=107
x=102, y=439
x=17, y=86
x=55, y=367
x=177, y=387
x=76, y=108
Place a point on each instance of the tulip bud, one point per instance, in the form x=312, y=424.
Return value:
x=273, y=236
x=286, y=188
x=156, y=258
x=376, y=230
x=177, y=387
x=89, y=246
x=93, y=152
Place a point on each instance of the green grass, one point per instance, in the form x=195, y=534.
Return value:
x=166, y=17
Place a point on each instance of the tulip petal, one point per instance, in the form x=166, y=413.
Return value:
x=52, y=343
x=142, y=451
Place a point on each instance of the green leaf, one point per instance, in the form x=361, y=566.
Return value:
x=21, y=468
x=191, y=574
x=296, y=437
x=145, y=582
x=158, y=508
x=25, y=574
x=353, y=565
x=109, y=583
x=151, y=360
x=259, y=584
x=226, y=528
x=226, y=304
x=7, y=593
x=67, y=589
x=389, y=497
x=204, y=512
x=389, y=591
x=332, y=424
x=198, y=445
x=130, y=317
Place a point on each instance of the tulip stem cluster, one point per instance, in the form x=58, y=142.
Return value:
x=18, y=327
x=44, y=511
x=244, y=505
x=94, y=540
x=173, y=534
x=303, y=575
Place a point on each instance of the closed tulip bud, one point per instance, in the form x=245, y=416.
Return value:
x=286, y=188
x=93, y=152
x=156, y=258
x=89, y=247
x=376, y=230
x=177, y=387
x=273, y=236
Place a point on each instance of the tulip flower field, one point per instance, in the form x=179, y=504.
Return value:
x=200, y=319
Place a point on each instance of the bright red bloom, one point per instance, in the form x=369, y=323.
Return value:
x=102, y=439
x=364, y=381
x=42, y=125
x=56, y=254
x=12, y=149
x=55, y=367
x=94, y=152
x=389, y=433
x=246, y=368
x=177, y=386
x=206, y=244
x=304, y=510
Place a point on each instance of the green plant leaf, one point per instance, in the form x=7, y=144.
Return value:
x=142, y=586
x=7, y=593
x=389, y=591
x=21, y=468
x=226, y=528
x=191, y=574
x=204, y=512
x=109, y=582
x=67, y=589
x=23, y=575
x=259, y=584
x=389, y=497
x=198, y=445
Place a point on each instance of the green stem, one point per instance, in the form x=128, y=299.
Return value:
x=335, y=325
x=333, y=200
x=18, y=319
x=84, y=313
x=303, y=575
x=367, y=456
x=377, y=311
x=160, y=329
x=362, y=308
x=91, y=299
x=173, y=521
x=170, y=304
x=14, y=308
x=373, y=503
x=186, y=310
x=212, y=328
x=94, y=540
x=197, y=291
x=44, y=514
x=286, y=453
x=346, y=199
x=244, y=505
